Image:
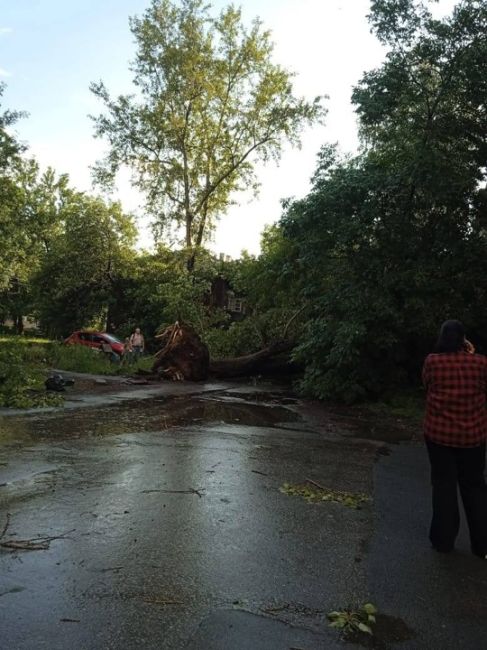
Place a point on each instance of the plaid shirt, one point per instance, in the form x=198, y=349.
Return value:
x=456, y=413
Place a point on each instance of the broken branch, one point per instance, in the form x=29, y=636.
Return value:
x=7, y=523
x=190, y=491
x=308, y=480
x=35, y=544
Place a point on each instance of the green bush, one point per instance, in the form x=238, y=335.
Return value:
x=21, y=384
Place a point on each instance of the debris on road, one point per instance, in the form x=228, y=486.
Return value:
x=56, y=382
x=190, y=491
x=354, y=620
x=70, y=620
x=35, y=544
x=315, y=493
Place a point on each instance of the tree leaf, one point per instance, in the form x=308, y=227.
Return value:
x=364, y=628
x=369, y=608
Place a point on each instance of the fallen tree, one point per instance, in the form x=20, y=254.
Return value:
x=250, y=364
x=184, y=356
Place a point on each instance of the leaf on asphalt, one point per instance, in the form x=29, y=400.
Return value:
x=369, y=608
x=314, y=494
x=364, y=628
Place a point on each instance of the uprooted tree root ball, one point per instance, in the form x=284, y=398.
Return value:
x=184, y=356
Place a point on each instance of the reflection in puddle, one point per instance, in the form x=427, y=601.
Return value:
x=144, y=415
x=257, y=415
x=259, y=397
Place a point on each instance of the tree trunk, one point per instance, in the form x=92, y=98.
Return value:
x=190, y=262
x=183, y=355
x=249, y=364
x=19, y=324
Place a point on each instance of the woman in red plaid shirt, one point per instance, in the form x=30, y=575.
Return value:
x=455, y=430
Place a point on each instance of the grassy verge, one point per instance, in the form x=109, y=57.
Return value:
x=77, y=358
x=407, y=405
x=25, y=361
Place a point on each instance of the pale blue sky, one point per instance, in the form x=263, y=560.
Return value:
x=50, y=51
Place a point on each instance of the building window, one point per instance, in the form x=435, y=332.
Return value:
x=235, y=304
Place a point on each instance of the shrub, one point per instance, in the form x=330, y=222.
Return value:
x=19, y=381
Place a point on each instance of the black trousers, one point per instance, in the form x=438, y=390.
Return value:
x=463, y=467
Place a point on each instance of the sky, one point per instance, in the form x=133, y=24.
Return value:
x=51, y=50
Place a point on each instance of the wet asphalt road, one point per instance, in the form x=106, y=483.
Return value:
x=177, y=536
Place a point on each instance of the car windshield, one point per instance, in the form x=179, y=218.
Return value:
x=111, y=338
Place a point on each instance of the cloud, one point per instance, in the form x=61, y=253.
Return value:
x=6, y=30
x=5, y=73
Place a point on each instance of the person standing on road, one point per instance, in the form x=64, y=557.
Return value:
x=455, y=430
x=138, y=343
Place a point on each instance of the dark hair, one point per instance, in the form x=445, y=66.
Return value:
x=452, y=337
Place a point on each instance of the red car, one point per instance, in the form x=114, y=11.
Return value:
x=95, y=340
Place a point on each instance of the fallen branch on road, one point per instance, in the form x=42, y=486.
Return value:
x=190, y=491
x=308, y=480
x=7, y=523
x=35, y=544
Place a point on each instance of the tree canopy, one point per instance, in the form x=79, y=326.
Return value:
x=393, y=241
x=209, y=103
x=10, y=195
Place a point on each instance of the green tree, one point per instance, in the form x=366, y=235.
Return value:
x=38, y=221
x=10, y=195
x=394, y=240
x=272, y=286
x=210, y=102
x=78, y=281
x=158, y=290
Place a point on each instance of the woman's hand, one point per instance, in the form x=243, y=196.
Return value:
x=469, y=347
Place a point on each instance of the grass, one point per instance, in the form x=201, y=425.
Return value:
x=407, y=404
x=24, y=362
x=46, y=354
x=23, y=340
x=77, y=358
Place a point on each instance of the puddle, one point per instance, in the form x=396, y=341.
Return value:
x=234, y=412
x=369, y=427
x=22, y=484
x=236, y=407
x=156, y=414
